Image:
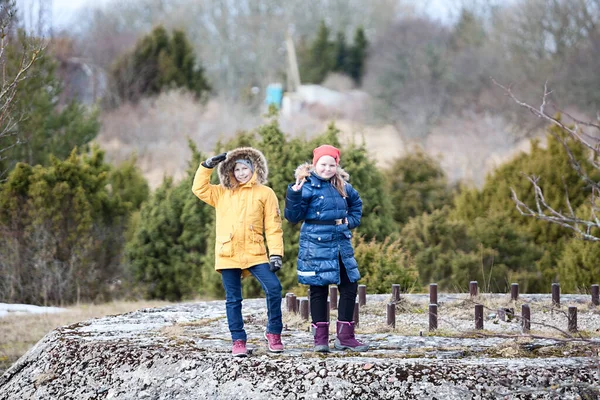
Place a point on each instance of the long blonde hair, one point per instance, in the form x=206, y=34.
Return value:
x=338, y=181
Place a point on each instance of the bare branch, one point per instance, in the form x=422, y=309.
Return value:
x=582, y=227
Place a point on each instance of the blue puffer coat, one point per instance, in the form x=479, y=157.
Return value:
x=321, y=246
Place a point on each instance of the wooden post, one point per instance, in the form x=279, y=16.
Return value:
x=288, y=302
x=356, y=314
x=473, y=288
x=572, y=319
x=433, y=293
x=556, y=294
x=395, y=292
x=362, y=295
x=304, y=309
x=333, y=297
x=596, y=295
x=391, y=314
x=433, y=321
x=525, y=318
x=328, y=313
x=478, y=316
x=514, y=291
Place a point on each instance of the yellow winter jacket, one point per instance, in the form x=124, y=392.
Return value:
x=246, y=214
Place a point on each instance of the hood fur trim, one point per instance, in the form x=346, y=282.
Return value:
x=304, y=170
x=258, y=160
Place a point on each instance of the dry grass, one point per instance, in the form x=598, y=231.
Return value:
x=18, y=333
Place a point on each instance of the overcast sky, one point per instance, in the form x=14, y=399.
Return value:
x=63, y=11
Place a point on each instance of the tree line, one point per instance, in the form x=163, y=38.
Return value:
x=75, y=228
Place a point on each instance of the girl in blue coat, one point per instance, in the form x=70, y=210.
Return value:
x=330, y=207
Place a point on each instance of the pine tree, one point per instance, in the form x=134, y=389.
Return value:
x=159, y=62
x=357, y=56
x=320, y=58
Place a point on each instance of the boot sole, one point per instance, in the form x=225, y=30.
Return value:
x=338, y=346
x=321, y=349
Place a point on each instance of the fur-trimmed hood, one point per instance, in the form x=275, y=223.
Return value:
x=304, y=170
x=258, y=160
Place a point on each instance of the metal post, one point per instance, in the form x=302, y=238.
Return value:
x=502, y=314
x=297, y=309
x=473, y=288
x=333, y=297
x=304, y=309
x=433, y=321
x=362, y=295
x=328, y=313
x=572, y=319
x=478, y=316
x=391, y=314
x=514, y=291
x=356, y=314
x=556, y=294
x=525, y=318
x=433, y=293
x=395, y=292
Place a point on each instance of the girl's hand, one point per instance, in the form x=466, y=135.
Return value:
x=298, y=185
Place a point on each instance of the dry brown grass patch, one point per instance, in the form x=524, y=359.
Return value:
x=18, y=333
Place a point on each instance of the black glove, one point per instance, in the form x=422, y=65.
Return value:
x=275, y=263
x=213, y=161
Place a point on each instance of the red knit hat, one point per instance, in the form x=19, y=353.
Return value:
x=326, y=150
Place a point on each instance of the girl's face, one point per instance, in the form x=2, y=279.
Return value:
x=242, y=173
x=326, y=167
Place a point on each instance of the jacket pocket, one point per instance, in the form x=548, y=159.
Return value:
x=256, y=247
x=224, y=246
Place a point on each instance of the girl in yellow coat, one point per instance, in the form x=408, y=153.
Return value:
x=247, y=212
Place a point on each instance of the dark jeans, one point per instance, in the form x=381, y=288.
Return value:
x=318, y=299
x=232, y=282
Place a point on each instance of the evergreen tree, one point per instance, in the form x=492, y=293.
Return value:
x=62, y=231
x=546, y=241
x=417, y=185
x=159, y=62
x=167, y=252
x=43, y=129
x=357, y=56
x=320, y=58
x=340, y=53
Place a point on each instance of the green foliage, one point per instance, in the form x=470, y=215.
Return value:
x=128, y=183
x=535, y=248
x=62, y=231
x=578, y=266
x=384, y=263
x=159, y=62
x=167, y=252
x=357, y=56
x=417, y=185
x=43, y=128
x=322, y=56
x=172, y=250
x=441, y=248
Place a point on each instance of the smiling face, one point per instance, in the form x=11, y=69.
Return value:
x=326, y=167
x=242, y=173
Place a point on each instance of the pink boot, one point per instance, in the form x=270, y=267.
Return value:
x=345, y=339
x=321, y=334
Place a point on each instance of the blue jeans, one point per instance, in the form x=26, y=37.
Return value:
x=232, y=282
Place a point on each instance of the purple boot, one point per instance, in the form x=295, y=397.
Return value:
x=321, y=333
x=345, y=338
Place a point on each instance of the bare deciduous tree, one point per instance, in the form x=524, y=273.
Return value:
x=587, y=226
x=11, y=76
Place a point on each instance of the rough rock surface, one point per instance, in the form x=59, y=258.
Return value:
x=182, y=352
